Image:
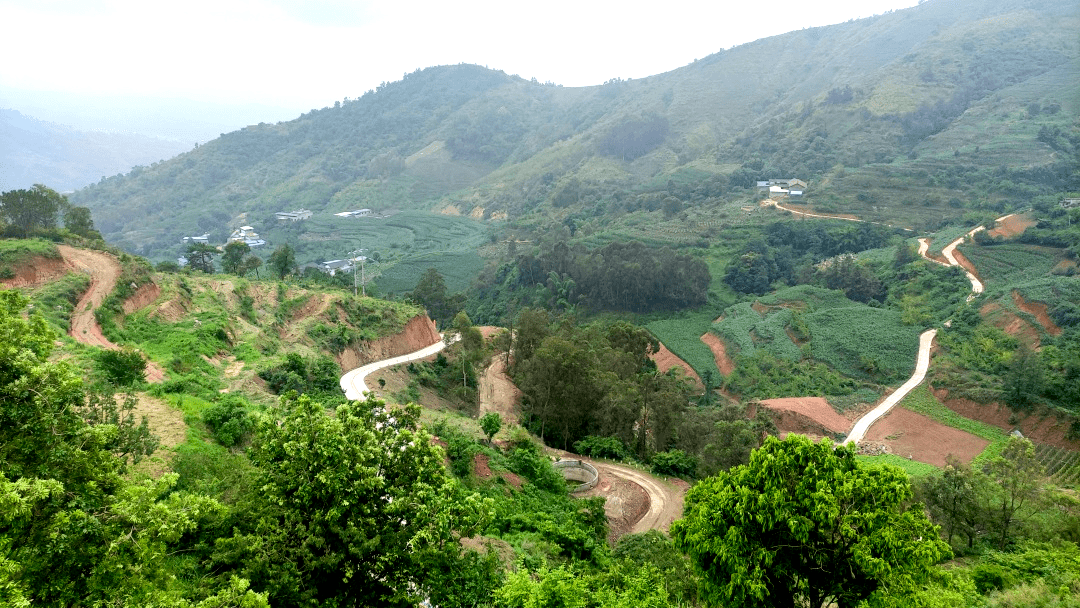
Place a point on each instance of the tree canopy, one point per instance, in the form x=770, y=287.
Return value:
x=802, y=524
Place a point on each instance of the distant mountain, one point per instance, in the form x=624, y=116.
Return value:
x=940, y=107
x=37, y=152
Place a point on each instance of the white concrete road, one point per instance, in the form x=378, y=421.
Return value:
x=922, y=363
x=352, y=382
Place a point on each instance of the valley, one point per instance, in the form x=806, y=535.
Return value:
x=809, y=306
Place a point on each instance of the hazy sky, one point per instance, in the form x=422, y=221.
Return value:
x=308, y=53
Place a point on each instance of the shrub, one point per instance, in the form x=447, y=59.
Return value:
x=676, y=463
x=601, y=447
x=121, y=367
x=229, y=421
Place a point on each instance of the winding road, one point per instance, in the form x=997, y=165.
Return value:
x=103, y=270
x=352, y=382
x=926, y=339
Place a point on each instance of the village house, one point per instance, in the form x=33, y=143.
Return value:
x=333, y=267
x=246, y=234
x=791, y=187
x=357, y=213
x=204, y=239
x=293, y=216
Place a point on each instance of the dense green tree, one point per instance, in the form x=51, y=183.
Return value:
x=952, y=499
x=1016, y=478
x=282, y=261
x=735, y=437
x=78, y=220
x=122, y=367
x=490, y=423
x=430, y=292
x=232, y=260
x=28, y=210
x=200, y=257
x=533, y=325
x=355, y=507
x=802, y=524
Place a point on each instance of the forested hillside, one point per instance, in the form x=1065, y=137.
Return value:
x=916, y=114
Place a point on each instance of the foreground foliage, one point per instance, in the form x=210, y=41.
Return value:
x=803, y=524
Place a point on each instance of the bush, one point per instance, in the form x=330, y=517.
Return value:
x=676, y=463
x=229, y=421
x=601, y=447
x=121, y=367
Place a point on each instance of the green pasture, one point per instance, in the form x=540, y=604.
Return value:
x=13, y=251
x=912, y=467
x=854, y=339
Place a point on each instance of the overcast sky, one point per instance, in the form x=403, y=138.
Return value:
x=307, y=54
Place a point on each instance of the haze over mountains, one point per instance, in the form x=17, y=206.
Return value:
x=933, y=105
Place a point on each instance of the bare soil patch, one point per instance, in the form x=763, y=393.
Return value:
x=966, y=263
x=418, y=332
x=1037, y=310
x=723, y=362
x=809, y=415
x=498, y=393
x=37, y=271
x=1010, y=323
x=143, y=297
x=918, y=437
x=104, y=270
x=1012, y=226
x=665, y=360
x=1040, y=427
x=168, y=424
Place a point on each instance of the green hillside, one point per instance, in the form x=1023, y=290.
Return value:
x=911, y=117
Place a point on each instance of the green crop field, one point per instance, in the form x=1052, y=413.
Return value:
x=852, y=338
x=1000, y=266
x=400, y=247
x=1062, y=465
x=682, y=336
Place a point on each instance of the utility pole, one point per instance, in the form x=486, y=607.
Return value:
x=356, y=253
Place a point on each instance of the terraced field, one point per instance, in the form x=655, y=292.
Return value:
x=405, y=244
x=1062, y=466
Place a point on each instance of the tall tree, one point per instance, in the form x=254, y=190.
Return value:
x=952, y=498
x=232, y=260
x=31, y=209
x=78, y=220
x=1016, y=479
x=431, y=293
x=283, y=261
x=802, y=524
x=200, y=256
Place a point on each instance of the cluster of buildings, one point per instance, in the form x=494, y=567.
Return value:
x=774, y=188
x=247, y=235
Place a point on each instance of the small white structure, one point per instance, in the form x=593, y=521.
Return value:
x=333, y=267
x=293, y=216
x=204, y=239
x=246, y=234
x=356, y=213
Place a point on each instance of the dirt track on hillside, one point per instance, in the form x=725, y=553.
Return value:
x=103, y=270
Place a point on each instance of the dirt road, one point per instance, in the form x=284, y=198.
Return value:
x=103, y=270
x=497, y=392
